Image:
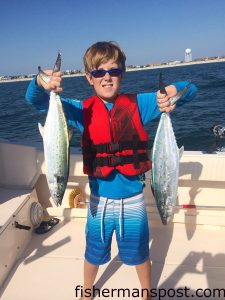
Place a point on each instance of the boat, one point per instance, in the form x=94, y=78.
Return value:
x=188, y=253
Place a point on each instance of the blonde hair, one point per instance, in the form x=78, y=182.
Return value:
x=100, y=53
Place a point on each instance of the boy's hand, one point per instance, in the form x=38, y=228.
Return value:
x=163, y=100
x=55, y=81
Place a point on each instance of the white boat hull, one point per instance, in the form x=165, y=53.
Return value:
x=187, y=252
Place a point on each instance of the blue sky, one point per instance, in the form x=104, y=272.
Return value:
x=149, y=31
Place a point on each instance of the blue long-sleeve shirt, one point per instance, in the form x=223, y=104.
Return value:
x=115, y=185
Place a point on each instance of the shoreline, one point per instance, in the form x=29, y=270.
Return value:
x=169, y=65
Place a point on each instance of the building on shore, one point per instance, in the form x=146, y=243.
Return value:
x=188, y=55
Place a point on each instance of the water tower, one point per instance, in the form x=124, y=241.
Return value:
x=188, y=55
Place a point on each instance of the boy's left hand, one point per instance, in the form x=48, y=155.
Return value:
x=163, y=100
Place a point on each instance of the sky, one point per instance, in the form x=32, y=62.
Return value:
x=149, y=31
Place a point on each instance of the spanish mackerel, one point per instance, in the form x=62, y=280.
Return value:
x=165, y=162
x=56, y=142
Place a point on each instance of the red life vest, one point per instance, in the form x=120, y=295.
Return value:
x=114, y=139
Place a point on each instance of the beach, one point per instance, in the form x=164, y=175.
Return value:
x=160, y=66
x=178, y=64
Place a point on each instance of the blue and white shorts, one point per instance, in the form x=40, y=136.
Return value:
x=128, y=217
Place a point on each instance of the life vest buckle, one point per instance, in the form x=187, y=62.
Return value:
x=113, y=147
x=115, y=161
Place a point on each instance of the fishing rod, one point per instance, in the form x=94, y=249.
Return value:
x=193, y=206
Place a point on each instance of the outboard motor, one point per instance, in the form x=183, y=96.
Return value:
x=219, y=131
x=219, y=134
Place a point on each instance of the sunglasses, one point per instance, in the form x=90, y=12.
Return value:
x=114, y=72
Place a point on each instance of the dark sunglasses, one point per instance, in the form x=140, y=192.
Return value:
x=114, y=72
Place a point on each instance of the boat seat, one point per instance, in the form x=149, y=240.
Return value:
x=18, y=165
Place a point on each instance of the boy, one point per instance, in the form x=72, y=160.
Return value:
x=115, y=156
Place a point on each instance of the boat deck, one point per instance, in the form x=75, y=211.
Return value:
x=187, y=255
x=52, y=265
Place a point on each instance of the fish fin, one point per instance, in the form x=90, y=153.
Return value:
x=181, y=151
x=41, y=129
x=46, y=78
x=70, y=134
x=57, y=65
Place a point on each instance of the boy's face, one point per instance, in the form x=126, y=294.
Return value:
x=107, y=87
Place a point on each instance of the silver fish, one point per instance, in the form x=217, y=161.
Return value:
x=165, y=168
x=56, y=143
x=165, y=163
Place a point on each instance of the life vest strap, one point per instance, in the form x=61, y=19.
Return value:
x=111, y=148
x=114, y=160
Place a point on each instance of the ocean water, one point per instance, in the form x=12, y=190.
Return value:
x=192, y=122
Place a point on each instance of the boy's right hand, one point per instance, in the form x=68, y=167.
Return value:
x=55, y=81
